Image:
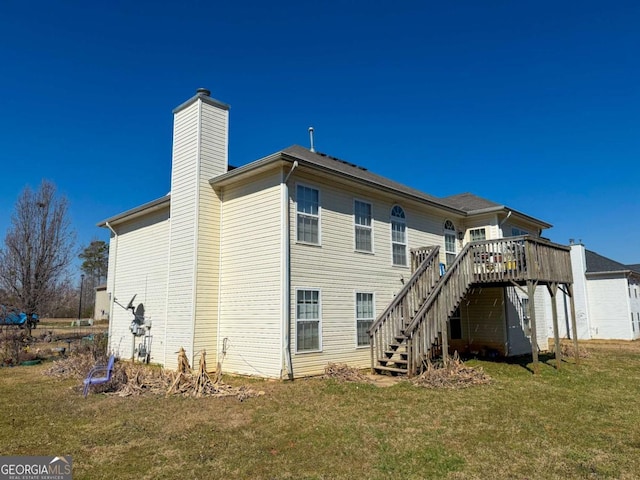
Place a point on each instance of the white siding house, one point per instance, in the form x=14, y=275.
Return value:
x=606, y=295
x=280, y=266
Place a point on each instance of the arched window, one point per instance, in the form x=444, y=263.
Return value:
x=398, y=236
x=449, y=242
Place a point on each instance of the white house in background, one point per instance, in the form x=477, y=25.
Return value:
x=607, y=297
x=281, y=266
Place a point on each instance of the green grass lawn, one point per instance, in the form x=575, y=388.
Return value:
x=580, y=422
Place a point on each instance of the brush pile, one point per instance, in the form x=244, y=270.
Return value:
x=74, y=366
x=344, y=373
x=453, y=375
x=132, y=379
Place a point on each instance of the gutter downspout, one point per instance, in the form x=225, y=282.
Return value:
x=113, y=293
x=285, y=274
x=502, y=222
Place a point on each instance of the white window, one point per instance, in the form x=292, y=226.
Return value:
x=449, y=242
x=517, y=232
x=308, y=321
x=398, y=236
x=308, y=207
x=477, y=234
x=364, y=317
x=363, y=226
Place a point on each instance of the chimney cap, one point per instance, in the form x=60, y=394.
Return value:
x=203, y=91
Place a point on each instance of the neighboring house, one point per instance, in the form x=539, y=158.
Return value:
x=607, y=297
x=283, y=265
x=102, y=304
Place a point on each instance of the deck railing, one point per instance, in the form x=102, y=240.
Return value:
x=392, y=322
x=513, y=260
x=520, y=259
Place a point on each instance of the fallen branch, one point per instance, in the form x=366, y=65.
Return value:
x=454, y=375
x=344, y=373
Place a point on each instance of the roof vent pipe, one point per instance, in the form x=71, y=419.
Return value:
x=203, y=91
x=311, y=139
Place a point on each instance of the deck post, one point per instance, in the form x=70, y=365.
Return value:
x=553, y=287
x=574, y=325
x=373, y=371
x=531, y=291
x=445, y=342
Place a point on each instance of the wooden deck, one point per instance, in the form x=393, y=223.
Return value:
x=411, y=327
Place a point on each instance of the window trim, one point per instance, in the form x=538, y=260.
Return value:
x=295, y=306
x=355, y=314
x=356, y=225
x=406, y=237
x=319, y=216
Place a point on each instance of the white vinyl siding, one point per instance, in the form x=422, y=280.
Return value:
x=199, y=153
x=250, y=312
x=138, y=266
x=308, y=318
x=363, y=226
x=609, y=308
x=338, y=271
x=184, y=190
x=308, y=214
x=213, y=162
x=365, y=315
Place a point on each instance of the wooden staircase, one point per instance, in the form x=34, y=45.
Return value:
x=389, y=347
x=413, y=327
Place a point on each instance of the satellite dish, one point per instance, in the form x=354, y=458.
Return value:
x=139, y=314
x=130, y=306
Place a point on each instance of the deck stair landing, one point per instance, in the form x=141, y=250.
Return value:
x=410, y=330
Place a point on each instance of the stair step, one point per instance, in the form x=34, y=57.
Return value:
x=392, y=370
x=397, y=361
x=391, y=353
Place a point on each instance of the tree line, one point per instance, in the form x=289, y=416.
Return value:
x=37, y=256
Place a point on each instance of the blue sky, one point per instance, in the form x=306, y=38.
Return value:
x=535, y=105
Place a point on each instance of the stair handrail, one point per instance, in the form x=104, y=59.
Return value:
x=406, y=291
x=444, y=280
x=407, y=286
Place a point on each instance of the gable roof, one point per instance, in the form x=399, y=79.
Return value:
x=469, y=202
x=152, y=206
x=635, y=267
x=597, y=263
x=463, y=204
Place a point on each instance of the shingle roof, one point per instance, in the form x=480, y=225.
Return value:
x=462, y=204
x=635, y=267
x=469, y=202
x=153, y=205
x=598, y=263
x=352, y=170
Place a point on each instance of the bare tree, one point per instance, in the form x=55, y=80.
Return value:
x=38, y=249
